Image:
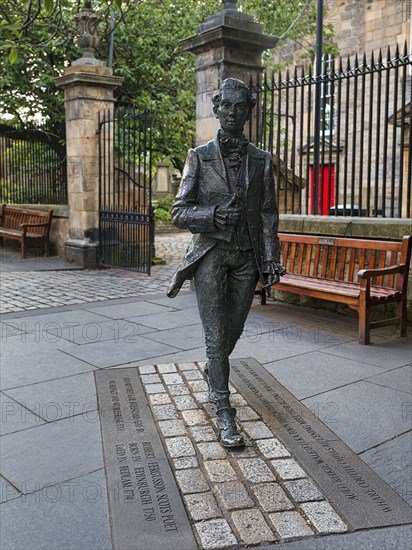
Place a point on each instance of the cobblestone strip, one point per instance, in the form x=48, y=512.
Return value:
x=25, y=291
x=29, y=290
x=256, y=495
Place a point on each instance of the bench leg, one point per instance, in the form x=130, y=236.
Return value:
x=262, y=297
x=47, y=248
x=23, y=249
x=364, y=324
x=401, y=313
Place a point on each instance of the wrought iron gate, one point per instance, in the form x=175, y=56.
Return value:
x=126, y=218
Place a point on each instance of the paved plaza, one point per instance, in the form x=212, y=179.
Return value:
x=61, y=325
x=39, y=283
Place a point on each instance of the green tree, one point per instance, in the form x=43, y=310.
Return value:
x=38, y=42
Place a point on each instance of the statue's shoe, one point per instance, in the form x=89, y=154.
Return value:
x=228, y=431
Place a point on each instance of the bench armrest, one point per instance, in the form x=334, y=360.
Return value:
x=44, y=224
x=381, y=272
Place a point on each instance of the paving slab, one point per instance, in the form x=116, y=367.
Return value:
x=30, y=366
x=290, y=525
x=287, y=469
x=234, y=495
x=125, y=311
x=32, y=341
x=392, y=460
x=162, y=321
x=325, y=326
x=303, y=490
x=272, y=497
x=15, y=417
x=202, y=506
x=60, y=398
x=72, y=514
x=115, y=330
x=323, y=517
x=8, y=492
x=215, y=533
x=316, y=372
x=63, y=322
x=44, y=455
x=391, y=354
x=252, y=527
x=198, y=354
x=363, y=414
x=108, y=354
x=183, y=338
x=399, y=538
x=11, y=260
x=273, y=346
x=398, y=379
x=182, y=301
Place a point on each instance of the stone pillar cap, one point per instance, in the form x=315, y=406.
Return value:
x=230, y=18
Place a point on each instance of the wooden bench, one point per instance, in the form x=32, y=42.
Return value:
x=22, y=224
x=358, y=272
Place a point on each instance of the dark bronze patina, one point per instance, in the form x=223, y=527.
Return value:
x=227, y=200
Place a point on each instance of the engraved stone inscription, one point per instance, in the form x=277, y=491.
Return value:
x=146, y=509
x=362, y=497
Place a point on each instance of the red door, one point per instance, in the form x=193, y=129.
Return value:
x=326, y=189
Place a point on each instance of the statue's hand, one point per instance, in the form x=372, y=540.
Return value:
x=228, y=214
x=272, y=272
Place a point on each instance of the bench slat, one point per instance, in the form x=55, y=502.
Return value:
x=292, y=256
x=300, y=257
x=394, y=259
x=342, y=263
x=325, y=254
x=337, y=287
x=316, y=261
x=333, y=262
x=307, y=259
x=351, y=269
x=381, y=264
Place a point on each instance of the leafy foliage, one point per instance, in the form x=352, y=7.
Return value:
x=163, y=208
x=38, y=42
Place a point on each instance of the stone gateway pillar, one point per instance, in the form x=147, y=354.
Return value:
x=229, y=43
x=88, y=89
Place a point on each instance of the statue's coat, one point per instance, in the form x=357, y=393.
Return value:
x=204, y=187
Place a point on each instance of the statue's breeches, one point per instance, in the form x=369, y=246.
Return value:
x=225, y=281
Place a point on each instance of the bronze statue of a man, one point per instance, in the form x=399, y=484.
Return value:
x=227, y=200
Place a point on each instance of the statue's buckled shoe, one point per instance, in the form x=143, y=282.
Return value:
x=212, y=395
x=229, y=434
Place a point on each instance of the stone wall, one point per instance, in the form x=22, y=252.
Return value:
x=366, y=25
x=360, y=26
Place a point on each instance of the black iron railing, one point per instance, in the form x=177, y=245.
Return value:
x=364, y=143
x=33, y=164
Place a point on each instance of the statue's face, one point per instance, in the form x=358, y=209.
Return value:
x=233, y=110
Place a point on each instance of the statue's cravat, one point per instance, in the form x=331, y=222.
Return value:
x=233, y=148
